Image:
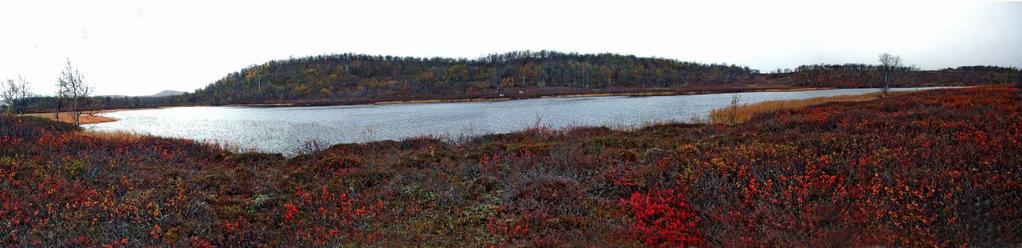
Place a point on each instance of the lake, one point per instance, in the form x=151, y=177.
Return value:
x=284, y=129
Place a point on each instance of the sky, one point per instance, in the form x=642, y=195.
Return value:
x=141, y=47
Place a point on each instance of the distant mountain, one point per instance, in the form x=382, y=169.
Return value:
x=168, y=93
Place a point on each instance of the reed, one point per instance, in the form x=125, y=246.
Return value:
x=740, y=113
x=113, y=135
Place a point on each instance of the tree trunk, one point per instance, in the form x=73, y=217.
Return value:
x=56, y=115
x=76, y=111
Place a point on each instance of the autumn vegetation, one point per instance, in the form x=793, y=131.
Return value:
x=933, y=168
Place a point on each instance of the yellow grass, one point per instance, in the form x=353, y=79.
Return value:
x=85, y=118
x=745, y=112
x=113, y=135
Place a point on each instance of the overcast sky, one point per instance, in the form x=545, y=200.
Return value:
x=142, y=47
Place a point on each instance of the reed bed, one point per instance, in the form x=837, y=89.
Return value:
x=741, y=113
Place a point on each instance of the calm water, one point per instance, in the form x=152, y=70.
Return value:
x=284, y=129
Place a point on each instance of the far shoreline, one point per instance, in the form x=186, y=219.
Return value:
x=97, y=117
x=541, y=96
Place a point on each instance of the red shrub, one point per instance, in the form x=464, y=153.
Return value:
x=290, y=211
x=664, y=219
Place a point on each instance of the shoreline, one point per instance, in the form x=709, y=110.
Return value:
x=497, y=99
x=96, y=116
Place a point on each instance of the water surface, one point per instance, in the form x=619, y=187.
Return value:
x=284, y=129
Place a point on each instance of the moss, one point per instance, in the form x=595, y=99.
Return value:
x=262, y=203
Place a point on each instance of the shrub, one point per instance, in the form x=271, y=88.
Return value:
x=663, y=218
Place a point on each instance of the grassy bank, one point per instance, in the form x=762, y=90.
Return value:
x=739, y=113
x=933, y=168
x=66, y=117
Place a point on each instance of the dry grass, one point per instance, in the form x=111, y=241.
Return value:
x=744, y=112
x=113, y=135
x=85, y=118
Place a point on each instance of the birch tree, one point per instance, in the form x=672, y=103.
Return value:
x=889, y=64
x=73, y=88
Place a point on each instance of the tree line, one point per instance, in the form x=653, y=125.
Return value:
x=332, y=78
x=344, y=76
x=864, y=75
x=347, y=78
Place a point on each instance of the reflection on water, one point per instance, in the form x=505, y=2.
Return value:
x=287, y=128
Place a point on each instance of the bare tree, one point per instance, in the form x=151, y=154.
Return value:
x=71, y=85
x=889, y=64
x=25, y=92
x=8, y=92
x=15, y=95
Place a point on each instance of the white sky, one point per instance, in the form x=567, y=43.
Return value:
x=142, y=47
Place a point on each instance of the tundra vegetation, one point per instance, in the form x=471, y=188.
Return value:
x=933, y=168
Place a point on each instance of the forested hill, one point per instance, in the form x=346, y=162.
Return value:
x=353, y=76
